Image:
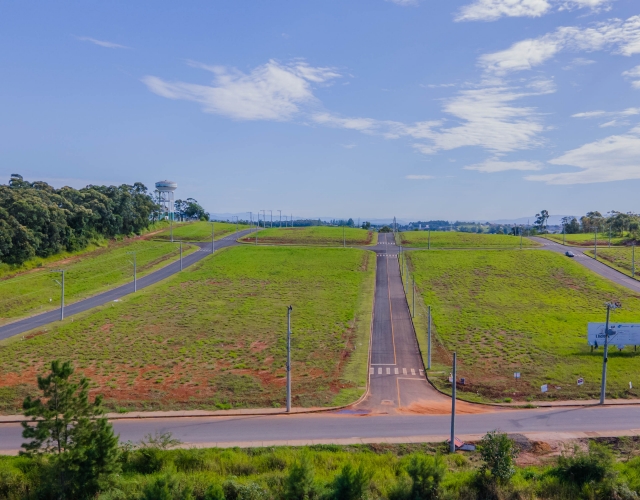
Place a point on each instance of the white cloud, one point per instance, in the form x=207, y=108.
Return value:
x=634, y=73
x=349, y=146
x=615, y=158
x=621, y=37
x=577, y=62
x=491, y=10
x=270, y=92
x=495, y=165
x=102, y=43
x=419, y=177
x=618, y=116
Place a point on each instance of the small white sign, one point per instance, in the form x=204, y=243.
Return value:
x=516, y=374
x=544, y=388
x=580, y=381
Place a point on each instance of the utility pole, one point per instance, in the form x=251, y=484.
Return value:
x=213, y=245
x=171, y=225
x=520, y=237
x=633, y=259
x=413, y=296
x=344, y=241
x=603, y=387
x=595, y=245
x=280, y=218
x=180, y=255
x=609, y=235
x=564, y=234
x=452, y=444
x=135, y=284
x=289, y=359
x=429, y=240
x=61, y=284
x=428, y=337
x=271, y=211
x=237, y=222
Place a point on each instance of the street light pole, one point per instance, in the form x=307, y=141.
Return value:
x=135, y=284
x=428, y=337
x=452, y=444
x=180, y=255
x=289, y=359
x=595, y=244
x=520, y=237
x=564, y=234
x=633, y=259
x=344, y=242
x=280, y=211
x=605, y=356
x=271, y=211
x=61, y=271
x=413, y=296
x=429, y=240
x=213, y=245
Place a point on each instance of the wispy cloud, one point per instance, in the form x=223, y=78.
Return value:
x=419, y=177
x=101, y=43
x=578, y=62
x=405, y=3
x=494, y=165
x=619, y=117
x=491, y=10
x=634, y=75
x=272, y=91
x=621, y=37
x=615, y=158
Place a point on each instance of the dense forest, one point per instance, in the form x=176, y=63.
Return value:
x=39, y=220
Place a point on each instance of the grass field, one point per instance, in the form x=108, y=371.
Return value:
x=214, y=336
x=586, y=239
x=620, y=259
x=86, y=273
x=522, y=312
x=315, y=235
x=452, y=239
x=199, y=231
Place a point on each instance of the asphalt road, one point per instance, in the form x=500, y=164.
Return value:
x=43, y=319
x=396, y=372
x=343, y=428
x=591, y=263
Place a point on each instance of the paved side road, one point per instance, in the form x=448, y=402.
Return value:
x=591, y=263
x=43, y=319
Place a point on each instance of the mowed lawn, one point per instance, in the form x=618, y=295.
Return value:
x=314, y=235
x=621, y=259
x=453, y=239
x=199, y=231
x=585, y=239
x=86, y=274
x=214, y=336
x=522, y=311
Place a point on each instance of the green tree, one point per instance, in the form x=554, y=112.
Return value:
x=426, y=474
x=498, y=453
x=74, y=431
x=541, y=220
x=350, y=483
x=299, y=484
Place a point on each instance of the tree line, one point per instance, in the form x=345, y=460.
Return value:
x=618, y=223
x=38, y=220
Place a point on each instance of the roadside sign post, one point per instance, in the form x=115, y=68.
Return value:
x=603, y=387
x=516, y=375
x=429, y=240
x=289, y=359
x=180, y=255
x=595, y=245
x=520, y=237
x=452, y=444
x=413, y=297
x=61, y=284
x=135, y=284
x=213, y=248
x=428, y=337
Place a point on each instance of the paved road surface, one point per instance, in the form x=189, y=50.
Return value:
x=341, y=428
x=40, y=320
x=591, y=263
x=396, y=373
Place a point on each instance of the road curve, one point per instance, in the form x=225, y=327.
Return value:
x=40, y=320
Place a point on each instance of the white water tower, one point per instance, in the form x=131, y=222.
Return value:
x=165, y=190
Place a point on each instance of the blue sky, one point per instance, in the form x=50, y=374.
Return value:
x=422, y=109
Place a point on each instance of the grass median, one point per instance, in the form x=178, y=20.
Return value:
x=521, y=311
x=199, y=231
x=452, y=239
x=214, y=335
x=585, y=239
x=86, y=274
x=315, y=235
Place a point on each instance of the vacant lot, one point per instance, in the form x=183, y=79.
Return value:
x=316, y=235
x=452, y=239
x=586, y=239
x=621, y=259
x=512, y=311
x=215, y=335
x=199, y=231
x=86, y=274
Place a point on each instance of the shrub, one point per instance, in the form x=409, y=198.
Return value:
x=581, y=468
x=426, y=474
x=299, y=483
x=498, y=453
x=350, y=484
x=250, y=491
x=166, y=488
x=214, y=492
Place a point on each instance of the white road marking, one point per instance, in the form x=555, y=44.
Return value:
x=413, y=372
x=388, y=371
x=404, y=371
x=422, y=373
x=372, y=370
x=379, y=371
x=396, y=370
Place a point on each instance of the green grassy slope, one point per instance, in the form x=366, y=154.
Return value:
x=215, y=334
x=620, y=259
x=86, y=274
x=451, y=239
x=316, y=235
x=199, y=231
x=585, y=239
x=522, y=311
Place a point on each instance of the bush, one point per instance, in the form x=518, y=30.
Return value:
x=498, y=453
x=426, y=474
x=250, y=491
x=214, y=492
x=299, y=483
x=350, y=484
x=581, y=468
x=166, y=488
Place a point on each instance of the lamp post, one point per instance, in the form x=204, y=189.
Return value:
x=428, y=337
x=280, y=212
x=289, y=309
x=633, y=259
x=271, y=211
x=135, y=282
x=61, y=284
x=595, y=244
x=237, y=221
x=564, y=233
x=344, y=241
x=452, y=444
x=603, y=387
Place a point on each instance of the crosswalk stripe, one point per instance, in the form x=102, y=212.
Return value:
x=371, y=371
x=388, y=371
x=404, y=371
x=413, y=372
x=379, y=371
x=422, y=373
x=396, y=370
